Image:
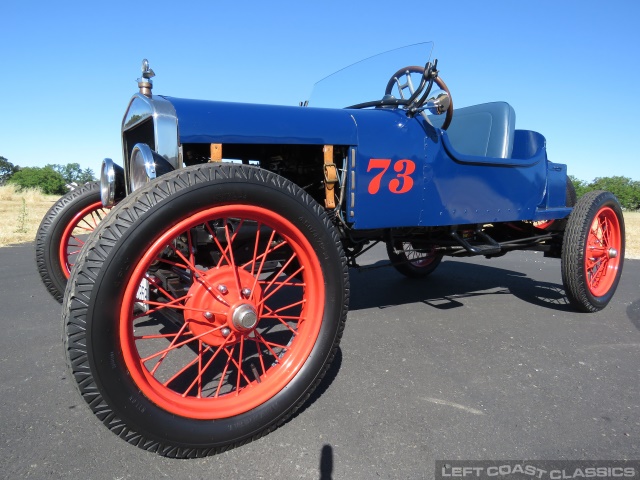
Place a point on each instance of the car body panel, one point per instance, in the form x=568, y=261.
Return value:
x=224, y=122
x=446, y=187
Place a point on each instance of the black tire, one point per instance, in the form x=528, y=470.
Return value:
x=410, y=263
x=593, y=251
x=98, y=336
x=571, y=195
x=53, y=272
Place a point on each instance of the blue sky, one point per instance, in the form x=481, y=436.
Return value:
x=570, y=68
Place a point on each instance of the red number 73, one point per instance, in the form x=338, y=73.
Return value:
x=401, y=183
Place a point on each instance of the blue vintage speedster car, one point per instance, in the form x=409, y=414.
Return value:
x=209, y=302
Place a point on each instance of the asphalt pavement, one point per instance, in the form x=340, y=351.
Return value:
x=482, y=360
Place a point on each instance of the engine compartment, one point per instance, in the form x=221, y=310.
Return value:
x=302, y=164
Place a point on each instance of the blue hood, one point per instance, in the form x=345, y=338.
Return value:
x=225, y=122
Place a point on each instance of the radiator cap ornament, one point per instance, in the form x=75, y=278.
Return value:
x=145, y=84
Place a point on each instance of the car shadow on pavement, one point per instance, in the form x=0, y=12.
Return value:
x=449, y=286
x=633, y=313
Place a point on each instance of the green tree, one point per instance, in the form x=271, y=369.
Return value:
x=73, y=173
x=46, y=179
x=56, y=167
x=627, y=191
x=86, y=176
x=581, y=186
x=7, y=169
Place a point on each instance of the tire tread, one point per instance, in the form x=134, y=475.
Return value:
x=573, y=250
x=45, y=228
x=96, y=250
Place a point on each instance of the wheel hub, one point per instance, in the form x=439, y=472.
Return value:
x=223, y=305
x=244, y=317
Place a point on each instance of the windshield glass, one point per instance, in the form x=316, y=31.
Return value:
x=366, y=80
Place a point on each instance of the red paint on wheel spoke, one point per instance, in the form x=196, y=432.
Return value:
x=156, y=284
x=281, y=319
x=262, y=258
x=80, y=243
x=174, y=264
x=152, y=337
x=230, y=247
x=266, y=344
x=168, y=350
x=281, y=284
x=178, y=345
x=246, y=307
x=602, y=255
x=70, y=243
x=193, y=362
x=173, y=303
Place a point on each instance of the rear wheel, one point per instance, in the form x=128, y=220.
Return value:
x=220, y=301
x=62, y=233
x=410, y=262
x=593, y=251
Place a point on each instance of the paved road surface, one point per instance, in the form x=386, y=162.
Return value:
x=484, y=360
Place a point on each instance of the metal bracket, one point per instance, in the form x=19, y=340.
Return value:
x=330, y=173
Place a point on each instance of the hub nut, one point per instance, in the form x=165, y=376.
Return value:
x=245, y=317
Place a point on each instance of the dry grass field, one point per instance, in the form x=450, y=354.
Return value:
x=632, y=224
x=21, y=213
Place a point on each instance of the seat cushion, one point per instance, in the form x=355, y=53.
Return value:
x=485, y=130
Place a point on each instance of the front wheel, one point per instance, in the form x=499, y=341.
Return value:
x=593, y=251
x=206, y=309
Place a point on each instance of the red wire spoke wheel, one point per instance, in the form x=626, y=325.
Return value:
x=246, y=325
x=76, y=232
x=63, y=231
x=411, y=262
x=205, y=309
x=602, y=258
x=593, y=251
